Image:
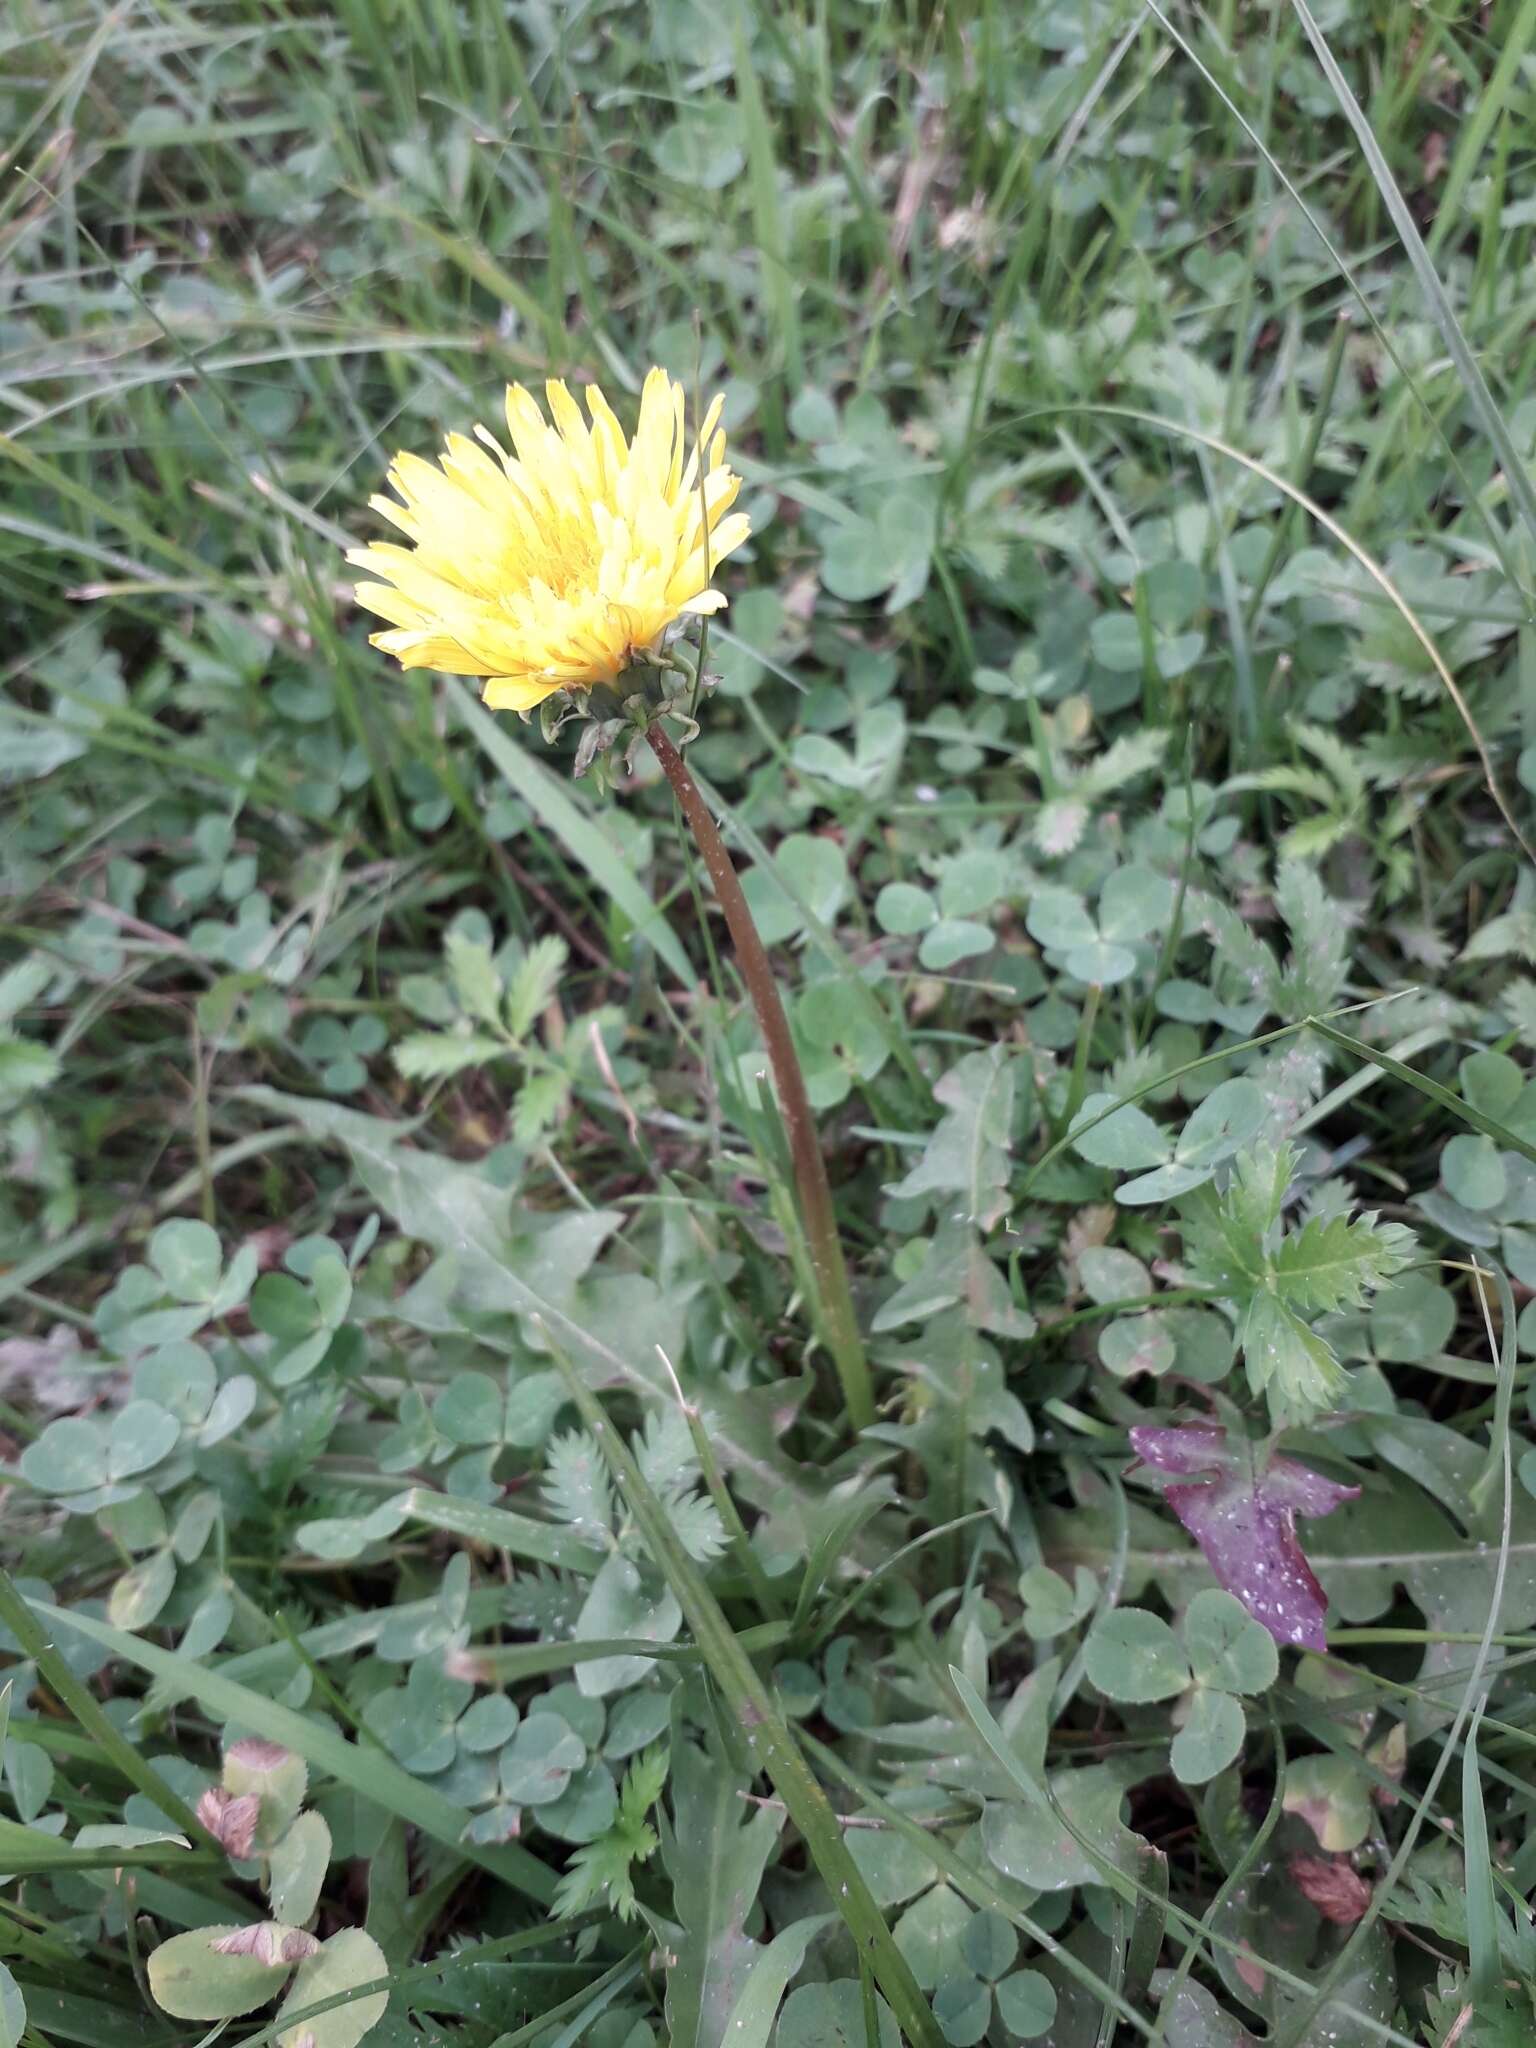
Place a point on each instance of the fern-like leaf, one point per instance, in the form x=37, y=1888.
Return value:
x=1332, y=1263
x=533, y=984
x=1133, y=754
x=433, y=1055
x=1340, y=763
x=576, y=1484
x=541, y=1102
x=1275, y=1280
x=472, y=971
x=664, y=1452
x=698, y=1525
x=605, y=1868
x=1319, y=960
x=1287, y=1360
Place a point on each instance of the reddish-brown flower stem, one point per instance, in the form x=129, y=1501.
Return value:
x=818, y=1219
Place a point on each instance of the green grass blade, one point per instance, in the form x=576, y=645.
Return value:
x=19, y=1616
x=767, y=219
x=1493, y=100
x=66, y=2016
x=590, y=848
x=1482, y=1908
x=1490, y=1126
x=767, y=1733
x=1441, y=310
x=26, y=1851
x=518, y=1535
x=511, y=1663
x=370, y=1772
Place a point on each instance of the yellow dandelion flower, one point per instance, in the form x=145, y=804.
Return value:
x=557, y=566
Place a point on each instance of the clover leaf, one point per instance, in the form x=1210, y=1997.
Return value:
x=1127, y=1139
x=1134, y=1656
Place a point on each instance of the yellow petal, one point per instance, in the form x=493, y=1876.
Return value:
x=518, y=693
x=558, y=564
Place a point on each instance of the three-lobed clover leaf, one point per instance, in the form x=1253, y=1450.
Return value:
x=1129, y=1141
x=184, y=1285
x=1135, y=904
x=1230, y=1654
x=183, y=1379
x=418, y=1722
x=1218, y=1654
x=302, y=1320
x=94, y=1464
x=1135, y=1656
x=842, y=1037
x=538, y=1763
x=807, y=880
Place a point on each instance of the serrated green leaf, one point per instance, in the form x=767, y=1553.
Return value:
x=604, y=1868
x=577, y=1488
x=433, y=1055
x=25, y=1068
x=1289, y=1360
x=472, y=974
x=534, y=982
x=1333, y=1263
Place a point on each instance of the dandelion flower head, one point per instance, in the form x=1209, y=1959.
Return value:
x=558, y=565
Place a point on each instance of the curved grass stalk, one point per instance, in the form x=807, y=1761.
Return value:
x=1346, y=540
x=757, y=1714
x=1038, y=1794
x=1297, y=2032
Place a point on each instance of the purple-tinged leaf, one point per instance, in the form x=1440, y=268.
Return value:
x=1243, y=1516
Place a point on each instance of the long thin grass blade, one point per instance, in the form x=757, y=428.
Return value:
x=757, y=1713
x=528, y=778
x=1441, y=310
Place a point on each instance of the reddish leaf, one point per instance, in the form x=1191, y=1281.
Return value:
x=1243, y=1516
x=1333, y=1886
x=230, y=1820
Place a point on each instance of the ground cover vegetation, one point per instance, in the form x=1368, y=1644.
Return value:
x=454, y=1591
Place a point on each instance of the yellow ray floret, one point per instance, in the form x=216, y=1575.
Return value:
x=554, y=567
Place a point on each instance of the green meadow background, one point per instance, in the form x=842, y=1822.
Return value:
x=1133, y=664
